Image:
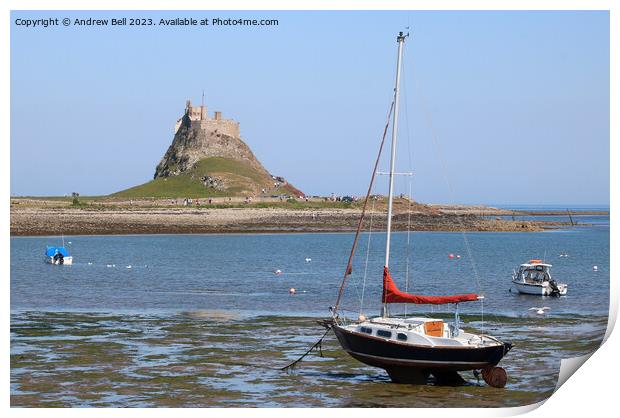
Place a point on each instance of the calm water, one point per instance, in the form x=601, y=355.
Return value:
x=203, y=320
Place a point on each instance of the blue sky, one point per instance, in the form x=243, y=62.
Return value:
x=509, y=107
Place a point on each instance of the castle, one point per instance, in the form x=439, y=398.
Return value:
x=197, y=117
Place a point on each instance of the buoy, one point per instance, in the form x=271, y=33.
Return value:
x=108, y=265
x=277, y=272
x=308, y=260
x=458, y=256
x=361, y=318
x=291, y=291
x=495, y=376
x=450, y=256
x=90, y=264
x=129, y=266
x=69, y=243
x=595, y=268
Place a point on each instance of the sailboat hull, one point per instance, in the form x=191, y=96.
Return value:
x=401, y=360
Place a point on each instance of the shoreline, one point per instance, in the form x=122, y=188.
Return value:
x=53, y=218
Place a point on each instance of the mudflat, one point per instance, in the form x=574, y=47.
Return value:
x=149, y=216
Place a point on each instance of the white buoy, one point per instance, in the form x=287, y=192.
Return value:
x=277, y=272
x=595, y=268
x=458, y=256
x=540, y=311
x=90, y=264
x=291, y=291
x=129, y=266
x=308, y=259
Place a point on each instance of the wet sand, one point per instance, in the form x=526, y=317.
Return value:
x=202, y=359
x=30, y=220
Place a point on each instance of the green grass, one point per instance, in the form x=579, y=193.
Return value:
x=238, y=177
x=288, y=204
x=172, y=187
x=215, y=165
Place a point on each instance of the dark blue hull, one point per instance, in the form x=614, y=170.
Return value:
x=401, y=360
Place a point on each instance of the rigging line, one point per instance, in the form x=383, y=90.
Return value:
x=442, y=162
x=372, y=210
x=408, y=246
x=349, y=268
x=357, y=292
x=410, y=161
x=408, y=130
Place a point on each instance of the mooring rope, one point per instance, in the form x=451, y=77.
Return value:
x=316, y=345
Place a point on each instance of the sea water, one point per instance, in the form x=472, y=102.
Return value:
x=204, y=320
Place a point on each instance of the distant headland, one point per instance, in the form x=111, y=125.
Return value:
x=208, y=158
x=209, y=181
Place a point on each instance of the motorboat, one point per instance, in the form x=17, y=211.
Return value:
x=57, y=256
x=534, y=278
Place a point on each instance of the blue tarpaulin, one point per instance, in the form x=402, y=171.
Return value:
x=52, y=251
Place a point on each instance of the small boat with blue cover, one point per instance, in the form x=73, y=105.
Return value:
x=57, y=255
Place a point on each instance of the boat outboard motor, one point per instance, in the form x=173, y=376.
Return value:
x=59, y=258
x=555, y=290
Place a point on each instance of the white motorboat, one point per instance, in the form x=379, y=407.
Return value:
x=534, y=278
x=57, y=256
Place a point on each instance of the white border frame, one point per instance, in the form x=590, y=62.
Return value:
x=590, y=391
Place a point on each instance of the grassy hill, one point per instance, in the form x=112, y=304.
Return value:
x=239, y=179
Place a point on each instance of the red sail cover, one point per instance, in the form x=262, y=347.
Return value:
x=391, y=294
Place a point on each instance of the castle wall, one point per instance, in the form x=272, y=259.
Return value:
x=199, y=119
x=197, y=113
x=220, y=126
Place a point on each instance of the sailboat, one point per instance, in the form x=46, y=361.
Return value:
x=410, y=349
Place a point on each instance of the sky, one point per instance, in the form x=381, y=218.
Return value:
x=505, y=107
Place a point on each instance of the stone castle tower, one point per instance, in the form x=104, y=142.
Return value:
x=197, y=115
x=196, y=136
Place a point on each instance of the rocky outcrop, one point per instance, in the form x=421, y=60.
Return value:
x=196, y=140
x=208, y=158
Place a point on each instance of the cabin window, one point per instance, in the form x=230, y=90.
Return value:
x=402, y=337
x=366, y=330
x=383, y=333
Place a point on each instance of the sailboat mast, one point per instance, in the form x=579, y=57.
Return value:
x=401, y=40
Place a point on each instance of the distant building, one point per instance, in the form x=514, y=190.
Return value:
x=198, y=115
